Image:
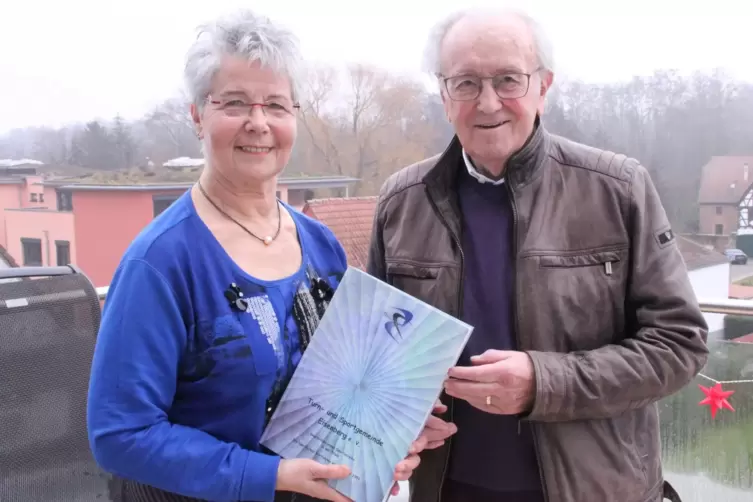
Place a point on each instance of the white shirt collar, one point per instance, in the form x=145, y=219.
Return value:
x=474, y=172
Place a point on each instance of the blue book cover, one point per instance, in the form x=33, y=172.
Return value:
x=366, y=384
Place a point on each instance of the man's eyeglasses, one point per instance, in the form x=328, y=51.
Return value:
x=238, y=107
x=506, y=85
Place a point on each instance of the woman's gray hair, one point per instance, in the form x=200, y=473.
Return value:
x=247, y=35
x=432, y=61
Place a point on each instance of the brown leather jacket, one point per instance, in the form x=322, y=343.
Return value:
x=603, y=305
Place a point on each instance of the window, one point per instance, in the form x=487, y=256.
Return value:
x=33, y=197
x=162, y=202
x=41, y=197
x=719, y=229
x=63, y=252
x=32, y=252
x=718, y=209
x=65, y=200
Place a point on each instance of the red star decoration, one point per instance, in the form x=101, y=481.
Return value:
x=716, y=398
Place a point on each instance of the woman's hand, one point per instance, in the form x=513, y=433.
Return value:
x=308, y=477
x=435, y=432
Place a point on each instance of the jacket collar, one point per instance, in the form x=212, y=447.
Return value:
x=524, y=164
x=475, y=173
x=521, y=168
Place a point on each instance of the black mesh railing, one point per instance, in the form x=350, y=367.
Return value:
x=48, y=325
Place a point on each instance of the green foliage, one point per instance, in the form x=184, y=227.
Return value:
x=737, y=326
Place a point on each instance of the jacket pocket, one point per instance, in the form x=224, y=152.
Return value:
x=418, y=280
x=605, y=259
x=415, y=271
x=580, y=297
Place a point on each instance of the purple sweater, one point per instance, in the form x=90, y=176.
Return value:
x=489, y=451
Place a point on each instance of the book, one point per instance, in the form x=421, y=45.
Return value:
x=366, y=384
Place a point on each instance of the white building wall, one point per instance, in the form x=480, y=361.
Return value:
x=711, y=283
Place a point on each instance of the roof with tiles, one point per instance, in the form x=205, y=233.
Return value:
x=6, y=258
x=350, y=219
x=697, y=255
x=744, y=339
x=724, y=180
x=738, y=292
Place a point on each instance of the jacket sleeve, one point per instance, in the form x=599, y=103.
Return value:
x=376, y=265
x=665, y=346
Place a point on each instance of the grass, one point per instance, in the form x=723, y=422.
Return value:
x=747, y=281
x=724, y=454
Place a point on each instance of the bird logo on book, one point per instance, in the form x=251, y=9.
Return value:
x=398, y=318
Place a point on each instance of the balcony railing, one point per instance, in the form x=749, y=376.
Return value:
x=705, y=459
x=727, y=306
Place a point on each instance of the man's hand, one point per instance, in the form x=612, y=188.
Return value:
x=504, y=377
x=302, y=475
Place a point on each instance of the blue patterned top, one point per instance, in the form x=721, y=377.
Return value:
x=184, y=376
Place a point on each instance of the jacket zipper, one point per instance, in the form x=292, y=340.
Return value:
x=459, y=307
x=536, y=447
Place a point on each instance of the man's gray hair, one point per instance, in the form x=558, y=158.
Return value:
x=433, y=51
x=246, y=35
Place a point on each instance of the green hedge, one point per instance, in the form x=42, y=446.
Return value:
x=737, y=326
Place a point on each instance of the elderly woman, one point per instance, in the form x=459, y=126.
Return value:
x=185, y=376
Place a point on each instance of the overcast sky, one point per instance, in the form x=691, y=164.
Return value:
x=75, y=60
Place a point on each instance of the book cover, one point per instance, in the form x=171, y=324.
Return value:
x=366, y=384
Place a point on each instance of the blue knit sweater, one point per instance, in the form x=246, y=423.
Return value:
x=181, y=380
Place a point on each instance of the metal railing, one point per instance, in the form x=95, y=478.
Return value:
x=728, y=463
x=708, y=305
x=726, y=306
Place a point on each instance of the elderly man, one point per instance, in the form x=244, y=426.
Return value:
x=562, y=258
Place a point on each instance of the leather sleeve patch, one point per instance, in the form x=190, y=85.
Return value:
x=665, y=237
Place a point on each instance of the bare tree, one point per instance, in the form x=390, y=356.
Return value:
x=93, y=148
x=364, y=122
x=124, y=147
x=319, y=144
x=671, y=123
x=168, y=131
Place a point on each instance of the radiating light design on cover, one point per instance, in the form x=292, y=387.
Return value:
x=366, y=384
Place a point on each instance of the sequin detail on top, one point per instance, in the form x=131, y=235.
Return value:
x=261, y=309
